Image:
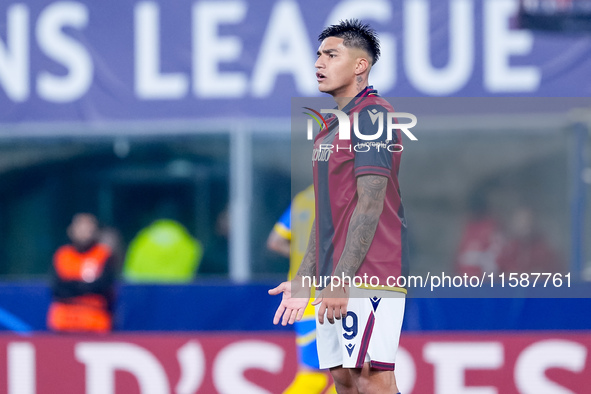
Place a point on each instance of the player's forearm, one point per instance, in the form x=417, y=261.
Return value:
x=363, y=224
x=308, y=266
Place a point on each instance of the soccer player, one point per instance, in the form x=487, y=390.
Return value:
x=289, y=238
x=359, y=228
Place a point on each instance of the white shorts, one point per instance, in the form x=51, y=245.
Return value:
x=369, y=333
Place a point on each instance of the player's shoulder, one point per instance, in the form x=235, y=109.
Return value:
x=371, y=103
x=372, y=114
x=369, y=108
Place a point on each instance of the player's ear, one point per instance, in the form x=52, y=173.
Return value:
x=361, y=66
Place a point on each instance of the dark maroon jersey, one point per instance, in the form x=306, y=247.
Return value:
x=337, y=163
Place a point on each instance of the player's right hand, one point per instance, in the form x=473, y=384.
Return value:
x=291, y=308
x=333, y=303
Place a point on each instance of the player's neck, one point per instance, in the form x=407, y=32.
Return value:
x=342, y=101
x=344, y=96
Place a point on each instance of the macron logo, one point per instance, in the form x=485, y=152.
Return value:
x=350, y=348
x=373, y=115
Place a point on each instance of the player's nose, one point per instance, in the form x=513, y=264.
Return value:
x=319, y=63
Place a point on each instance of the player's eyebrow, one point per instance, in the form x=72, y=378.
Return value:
x=327, y=51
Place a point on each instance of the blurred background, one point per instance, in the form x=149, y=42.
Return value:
x=143, y=111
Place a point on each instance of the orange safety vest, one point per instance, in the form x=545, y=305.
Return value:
x=84, y=313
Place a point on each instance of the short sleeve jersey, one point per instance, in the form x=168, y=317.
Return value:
x=337, y=162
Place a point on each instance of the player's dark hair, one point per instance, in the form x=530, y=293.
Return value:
x=355, y=34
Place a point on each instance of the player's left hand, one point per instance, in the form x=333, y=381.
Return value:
x=333, y=302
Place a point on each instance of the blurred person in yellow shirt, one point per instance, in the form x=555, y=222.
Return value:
x=289, y=238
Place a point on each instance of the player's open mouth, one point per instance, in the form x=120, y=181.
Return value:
x=320, y=77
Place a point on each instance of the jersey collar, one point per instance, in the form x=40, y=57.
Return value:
x=367, y=91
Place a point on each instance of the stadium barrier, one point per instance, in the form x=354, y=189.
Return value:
x=227, y=363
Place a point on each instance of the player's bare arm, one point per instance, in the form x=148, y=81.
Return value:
x=295, y=295
x=371, y=190
x=308, y=266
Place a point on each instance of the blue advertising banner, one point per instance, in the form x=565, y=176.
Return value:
x=113, y=60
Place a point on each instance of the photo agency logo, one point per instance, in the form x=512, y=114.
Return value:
x=369, y=141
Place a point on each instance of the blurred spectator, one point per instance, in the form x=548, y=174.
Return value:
x=222, y=223
x=280, y=237
x=163, y=252
x=289, y=238
x=82, y=281
x=112, y=238
x=526, y=250
x=481, y=241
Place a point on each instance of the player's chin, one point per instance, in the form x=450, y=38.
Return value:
x=323, y=88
